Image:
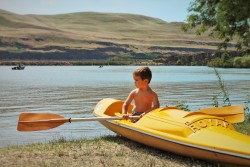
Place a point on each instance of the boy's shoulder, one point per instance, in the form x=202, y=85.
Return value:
x=151, y=91
x=135, y=90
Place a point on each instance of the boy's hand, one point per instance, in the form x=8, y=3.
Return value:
x=142, y=114
x=125, y=116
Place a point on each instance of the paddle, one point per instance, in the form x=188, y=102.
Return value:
x=233, y=114
x=44, y=121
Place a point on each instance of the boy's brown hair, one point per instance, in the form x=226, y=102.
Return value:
x=144, y=73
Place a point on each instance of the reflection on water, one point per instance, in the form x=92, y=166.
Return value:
x=74, y=91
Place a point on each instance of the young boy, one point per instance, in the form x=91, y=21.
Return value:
x=145, y=99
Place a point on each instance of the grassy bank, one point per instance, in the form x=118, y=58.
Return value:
x=104, y=151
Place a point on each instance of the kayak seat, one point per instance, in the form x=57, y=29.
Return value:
x=108, y=107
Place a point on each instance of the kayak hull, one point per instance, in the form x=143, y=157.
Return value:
x=173, y=146
x=176, y=142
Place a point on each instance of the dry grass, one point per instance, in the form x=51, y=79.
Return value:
x=104, y=151
x=88, y=27
x=100, y=36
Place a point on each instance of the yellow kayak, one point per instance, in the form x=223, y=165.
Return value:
x=195, y=134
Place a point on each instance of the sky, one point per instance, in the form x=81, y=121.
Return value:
x=167, y=10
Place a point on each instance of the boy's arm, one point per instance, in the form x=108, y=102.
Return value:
x=156, y=103
x=127, y=102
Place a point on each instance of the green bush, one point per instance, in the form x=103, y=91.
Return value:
x=217, y=62
x=242, y=62
x=227, y=62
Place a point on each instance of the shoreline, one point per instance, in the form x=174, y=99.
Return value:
x=102, y=151
x=77, y=63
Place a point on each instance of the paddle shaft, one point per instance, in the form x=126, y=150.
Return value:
x=44, y=121
x=58, y=120
x=100, y=118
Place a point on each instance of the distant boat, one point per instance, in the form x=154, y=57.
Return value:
x=19, y=67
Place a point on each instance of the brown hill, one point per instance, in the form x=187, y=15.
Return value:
x=97, y=36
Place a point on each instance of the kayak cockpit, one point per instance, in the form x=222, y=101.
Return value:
x=169, y=120
x=109, y=107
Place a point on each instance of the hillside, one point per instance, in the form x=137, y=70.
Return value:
x=97, y=36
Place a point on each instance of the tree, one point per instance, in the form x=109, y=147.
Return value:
x=223, y=19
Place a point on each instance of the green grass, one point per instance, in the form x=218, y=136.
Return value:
x=103, y=151
x=243, y=127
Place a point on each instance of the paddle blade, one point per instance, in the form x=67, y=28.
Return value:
x=39, y=121
x=233, y=114
x=223, y=110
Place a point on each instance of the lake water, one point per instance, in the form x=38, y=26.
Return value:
x=73, y=91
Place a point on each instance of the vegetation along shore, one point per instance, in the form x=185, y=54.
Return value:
x=103, y=151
